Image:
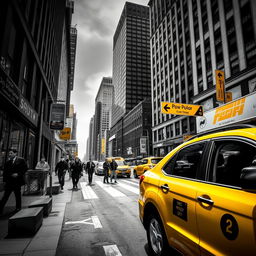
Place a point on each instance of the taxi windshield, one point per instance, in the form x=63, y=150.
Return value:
x=120, y=162
x=156, y=160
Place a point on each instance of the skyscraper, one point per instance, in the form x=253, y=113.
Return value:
x=189, y=41
x=105, y=97
x=131, y=60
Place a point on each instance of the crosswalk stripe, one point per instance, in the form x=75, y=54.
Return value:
x=131, y=182
x=87, y=191
x=128, y=187
x=110, y=190
x=112, y=250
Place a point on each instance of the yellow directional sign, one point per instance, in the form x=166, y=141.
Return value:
x=65, y=134
x=181, y=109
x=220, y=85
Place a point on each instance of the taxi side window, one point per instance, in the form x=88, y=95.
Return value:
x=187, y=162
x=229, y=158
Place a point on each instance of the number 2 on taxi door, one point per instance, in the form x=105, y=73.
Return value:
x=229, y=226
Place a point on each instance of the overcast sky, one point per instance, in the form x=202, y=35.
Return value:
x=96, y=22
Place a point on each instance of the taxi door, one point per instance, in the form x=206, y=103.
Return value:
x=178, y=191
x=226, y=214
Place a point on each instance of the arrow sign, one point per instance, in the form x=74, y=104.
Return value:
x=181, y=109
x=220, y=85
x=166, y=107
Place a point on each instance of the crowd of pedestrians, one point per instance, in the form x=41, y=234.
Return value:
x=16, y=167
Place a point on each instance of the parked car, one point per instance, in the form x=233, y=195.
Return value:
x=99, y=169
x=201, y=198
x=145, y=164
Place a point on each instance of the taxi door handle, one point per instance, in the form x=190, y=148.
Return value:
x=165, y=188
x=205, y=200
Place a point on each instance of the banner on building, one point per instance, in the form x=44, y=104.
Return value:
x=65, y=134
x=236, y=111
x=57, y=117
x=143, y=145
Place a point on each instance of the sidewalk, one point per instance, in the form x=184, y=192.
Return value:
x=45, y=241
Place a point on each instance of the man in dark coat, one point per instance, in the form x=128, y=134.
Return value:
x=76, y=169
x=113, y=167
x=13, y=176
x=90, y=166
x=106, y=168
x=60, y=169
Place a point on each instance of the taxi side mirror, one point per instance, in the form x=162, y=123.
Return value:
x=248, y=178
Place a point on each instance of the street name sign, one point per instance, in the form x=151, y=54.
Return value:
x=220, y=85
x=181, y=109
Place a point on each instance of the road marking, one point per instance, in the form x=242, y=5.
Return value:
x=87, y=191
x=94, y=220
x=110, y=190
x=112, y=250
x=131, y=182
x=128, y=187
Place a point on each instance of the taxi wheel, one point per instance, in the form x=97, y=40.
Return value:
x=157, y=241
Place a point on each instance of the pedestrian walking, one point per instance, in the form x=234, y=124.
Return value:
x=113, y=167
x=76, y=169
x=106, y=168
x=13, y=176
x=60, y=169
x=90, y=167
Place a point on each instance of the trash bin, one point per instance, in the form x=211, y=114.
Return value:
x=35, y=182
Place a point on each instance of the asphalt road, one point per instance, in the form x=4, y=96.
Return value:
x=102, y=219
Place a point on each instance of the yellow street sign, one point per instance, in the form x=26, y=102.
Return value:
x=103, y=146
x=181, y=109
x=228, y=96
x=65, y=134
x=220, y=85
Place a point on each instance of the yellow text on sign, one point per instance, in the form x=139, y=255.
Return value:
x=220, y=85
x=65, y=134
x=181, y=109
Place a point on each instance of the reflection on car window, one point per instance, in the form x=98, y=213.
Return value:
x=187, y=162
x=228, y=161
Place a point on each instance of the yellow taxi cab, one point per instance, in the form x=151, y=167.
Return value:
x=145, y=164
x=123, y=169
x=201, y=198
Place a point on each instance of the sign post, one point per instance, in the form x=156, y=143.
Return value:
x=57, y=120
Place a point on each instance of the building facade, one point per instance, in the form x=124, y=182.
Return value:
x=131, y=136
x=30, y=53
x=105, y=97
x=189, y=41
x=131, y=60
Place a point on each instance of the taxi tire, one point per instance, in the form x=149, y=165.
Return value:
x=165, y=247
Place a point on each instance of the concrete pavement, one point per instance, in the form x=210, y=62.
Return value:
x=45, y=241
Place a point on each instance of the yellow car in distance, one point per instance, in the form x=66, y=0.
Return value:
x=123, y=169
x=145, y=164
x=201, y=198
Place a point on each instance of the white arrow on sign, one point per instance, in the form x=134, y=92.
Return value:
x=94, y=220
